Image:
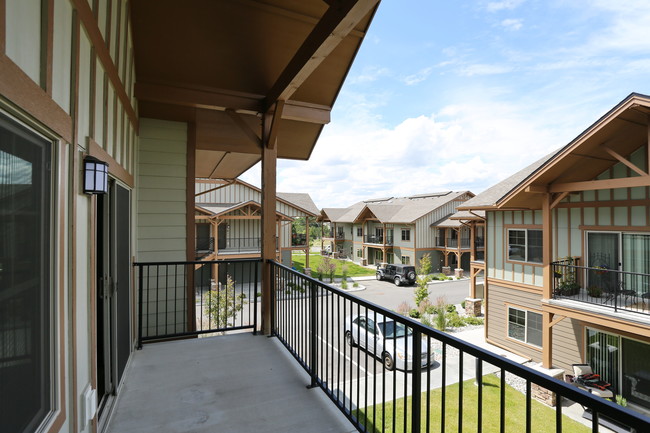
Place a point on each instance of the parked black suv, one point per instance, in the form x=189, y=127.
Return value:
x=397, y=273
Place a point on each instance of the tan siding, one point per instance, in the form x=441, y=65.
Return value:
x=567, y=344
x=160, y=209
x=497, y=331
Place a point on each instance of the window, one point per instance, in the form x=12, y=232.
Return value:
x=406, y=260
x=26, y=322
x=525, y=326
x=360, y=253
x=359, y=231
x=406, y=234
x=525, y=245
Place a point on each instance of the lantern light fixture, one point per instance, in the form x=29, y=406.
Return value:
x=95, y=176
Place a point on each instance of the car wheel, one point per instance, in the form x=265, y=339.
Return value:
x=397, y=281
x=411, y=275
x=350, y=339
x=378, y=275
x=388, y=361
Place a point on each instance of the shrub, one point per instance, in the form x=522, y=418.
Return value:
x=355, y=284
x=344, y=284
x=454, y=320
x=426, y=320
x=403, y=308
x=414, y=313
x=451, y=308
x=424, y=306
x=421, y=289
x=595, y=291
x=462, y=304
x=424, y=267
x=431, y=309
x=620, y=400
x=441, y=321
x=471, y=320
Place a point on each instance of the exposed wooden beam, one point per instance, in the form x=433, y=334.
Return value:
x=337, y=22
x=617, y=156
x=230, y=182
x=271, y=135
x=558, y=199
x=537, y=189
x=219, y=99
x=218, y=163
x=198, y=97
x=556, y=320
x=243, y=126
x=593, y=185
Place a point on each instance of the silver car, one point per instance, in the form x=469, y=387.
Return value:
x=389, y=340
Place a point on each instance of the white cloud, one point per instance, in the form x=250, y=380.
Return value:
x=483, y=69
x=369, y=74
x=512, y=24
x=503, y=5
x=418, y=77
x=463, y=146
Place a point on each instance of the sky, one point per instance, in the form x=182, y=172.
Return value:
x=458, y=95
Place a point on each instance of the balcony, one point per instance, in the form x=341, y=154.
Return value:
x=378, y=239
x=239, y=246
x=609, y=288
x=204, y=246
x=245, y=382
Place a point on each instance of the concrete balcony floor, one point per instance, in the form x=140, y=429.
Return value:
x=230, y=383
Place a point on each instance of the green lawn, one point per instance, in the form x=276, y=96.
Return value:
x=543, y=417
x=354, y=270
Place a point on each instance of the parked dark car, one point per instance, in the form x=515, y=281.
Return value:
x=396, y=273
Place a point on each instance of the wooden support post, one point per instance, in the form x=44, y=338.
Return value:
x=547, y=247
x=307, y=241
x=270, y=125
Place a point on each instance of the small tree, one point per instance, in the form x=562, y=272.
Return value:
x=424, y=267
x=441, y=313
x=344, y=272
x=222, y=304
x=422, y=281
x=327, y=266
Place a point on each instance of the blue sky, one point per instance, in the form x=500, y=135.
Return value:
x=457, y=95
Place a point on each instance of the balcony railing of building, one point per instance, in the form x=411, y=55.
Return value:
x=465, y=242
x=611, y=288
x=351, y=360
x=378, y=239
x=314, y=322
x=239, y=245
x=298, y=239
x=440, y=242
x=204, y=245
x=452, y=242
x=178, y=299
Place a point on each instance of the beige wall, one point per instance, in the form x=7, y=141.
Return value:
x=162, y=196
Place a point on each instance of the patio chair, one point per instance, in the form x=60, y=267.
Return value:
x=584, y=379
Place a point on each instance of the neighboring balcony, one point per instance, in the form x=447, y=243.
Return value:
x=610, y=288
x=378, y=239
x=239, y=246
x=204, y=246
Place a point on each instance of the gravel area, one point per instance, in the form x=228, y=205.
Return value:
x=515, y=381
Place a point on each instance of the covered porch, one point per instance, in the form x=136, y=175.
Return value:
x=235, y=382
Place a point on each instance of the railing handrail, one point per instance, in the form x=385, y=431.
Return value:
x=195, y=262
x=596, y=269
x=624, y=415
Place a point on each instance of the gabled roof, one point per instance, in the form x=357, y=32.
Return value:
x=608, y=141
x=393, y=210
x=220, y=209
x=300, y=201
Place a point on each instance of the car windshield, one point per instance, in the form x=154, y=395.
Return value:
x=389, y=331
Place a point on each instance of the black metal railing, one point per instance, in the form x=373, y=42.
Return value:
x=440, y=242
x=479, y=242
x=452, y=242
x=239, y=245
x=465, y=242
x=298, y=239
x=378, y=239
x=433, y=390
x=204, y=245
x=626, y=291
x=178, y=299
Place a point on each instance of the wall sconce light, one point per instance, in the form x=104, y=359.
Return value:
x=95, y=176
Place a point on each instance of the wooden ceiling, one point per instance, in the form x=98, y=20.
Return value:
x=222, y=64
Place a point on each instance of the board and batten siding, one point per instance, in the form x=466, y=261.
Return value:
x=498, y=266
x=162, y=193
x=425, y=235
x=499, y=298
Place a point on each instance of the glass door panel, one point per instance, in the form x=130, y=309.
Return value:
x=636, y=259
x=603, y=355
x=636, y=372
x=603, y=253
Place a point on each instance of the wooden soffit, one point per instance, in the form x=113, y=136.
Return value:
x=576, y=167
x=221, y=65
